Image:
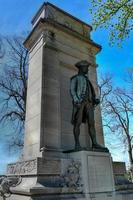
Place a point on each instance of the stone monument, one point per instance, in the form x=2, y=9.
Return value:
x=47, y=169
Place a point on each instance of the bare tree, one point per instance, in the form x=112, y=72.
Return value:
x=117, y=112
x=13, y=87
x=105, y=86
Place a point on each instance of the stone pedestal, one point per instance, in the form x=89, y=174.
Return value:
x=44, y=178
x=97, y=174
x=97, y=171
x=83, y=175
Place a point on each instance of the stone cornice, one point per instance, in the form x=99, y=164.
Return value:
x=45, y=4
x=64, y=29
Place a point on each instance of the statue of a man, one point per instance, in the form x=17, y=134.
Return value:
x=84, y=102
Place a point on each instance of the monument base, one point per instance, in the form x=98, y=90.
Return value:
x=83, y=175
x=44, y=178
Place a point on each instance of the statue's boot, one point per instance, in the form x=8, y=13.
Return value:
x=98, y=146
x=78, y=147
x=95, y=145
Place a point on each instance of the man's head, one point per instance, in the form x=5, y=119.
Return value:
x=83, y=66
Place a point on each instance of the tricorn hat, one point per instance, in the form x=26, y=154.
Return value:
x=82, y=63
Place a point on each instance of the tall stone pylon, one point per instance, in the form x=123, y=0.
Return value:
x=56, y=42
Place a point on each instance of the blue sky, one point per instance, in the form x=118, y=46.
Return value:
x=15, y=18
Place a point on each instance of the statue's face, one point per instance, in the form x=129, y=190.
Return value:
x=84, y=69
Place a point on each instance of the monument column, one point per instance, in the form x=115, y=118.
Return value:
x=42, y=127
x=55, y=44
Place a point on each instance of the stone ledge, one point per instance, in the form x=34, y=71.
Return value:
x=34, y=166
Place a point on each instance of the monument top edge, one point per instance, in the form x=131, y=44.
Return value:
x=42, y=21
x=45, y=4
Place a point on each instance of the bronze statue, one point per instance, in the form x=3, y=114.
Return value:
x=84, y=102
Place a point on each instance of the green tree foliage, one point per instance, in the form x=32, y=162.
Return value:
x=115, y=15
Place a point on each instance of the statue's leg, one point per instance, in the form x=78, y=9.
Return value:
x=76, y=129
x=91, y=124
x=91, y=127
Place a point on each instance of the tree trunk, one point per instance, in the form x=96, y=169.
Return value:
x=130, y=154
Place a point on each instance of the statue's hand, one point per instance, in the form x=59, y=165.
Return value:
x=97, y=101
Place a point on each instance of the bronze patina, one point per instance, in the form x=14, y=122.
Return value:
x=84, y=102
